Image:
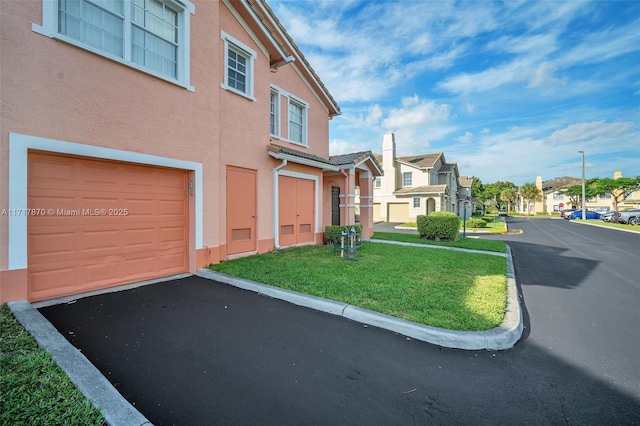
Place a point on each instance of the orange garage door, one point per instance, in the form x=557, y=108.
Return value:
x=102, y=223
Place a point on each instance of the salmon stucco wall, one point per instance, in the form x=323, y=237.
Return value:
x=61, y=92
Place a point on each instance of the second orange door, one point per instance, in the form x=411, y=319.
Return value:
x=296, y=210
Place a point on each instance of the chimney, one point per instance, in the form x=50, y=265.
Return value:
x=388, y=151
x=617, y=175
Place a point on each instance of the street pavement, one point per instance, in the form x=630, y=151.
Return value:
x=193, y=351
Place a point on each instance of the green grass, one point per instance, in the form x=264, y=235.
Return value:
x=441, y=288
x=33, y=389
x=613, y=225
x=467, y=243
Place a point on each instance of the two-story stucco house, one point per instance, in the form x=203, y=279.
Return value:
x=414, y=185
x=146, y=138
x=554, y=200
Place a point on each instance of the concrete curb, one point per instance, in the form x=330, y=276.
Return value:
x=502, y=337
x=114, y=408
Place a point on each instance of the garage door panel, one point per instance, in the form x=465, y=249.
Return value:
x=172, y=208
x=52, y=280
x=77, y=249
x=52, y=243
x=100, y=174
x=172, y=234
x=104, y=240
x=51, y=172
x=138, y=238
x=170, y=183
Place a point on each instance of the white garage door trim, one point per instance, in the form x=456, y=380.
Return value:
x=18, y=148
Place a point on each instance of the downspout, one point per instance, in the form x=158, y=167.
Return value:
x=276, y=210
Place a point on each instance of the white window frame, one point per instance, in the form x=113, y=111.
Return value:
x=275, y=113
x=185, y=9
x=418, y=202
x=410, y=175
x=242, y=49
x=305, y=108
x=377, y=183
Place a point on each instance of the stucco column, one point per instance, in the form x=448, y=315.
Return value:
x=365, y=182
x=348, y=199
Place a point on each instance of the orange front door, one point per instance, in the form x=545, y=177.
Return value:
x=102, y=223
x=296, y=208
x=241, y=210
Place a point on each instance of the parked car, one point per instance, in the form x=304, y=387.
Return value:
x=630, y=216
x=565, y=213
x=607, y=217
x=502, y=213
x=590, y=214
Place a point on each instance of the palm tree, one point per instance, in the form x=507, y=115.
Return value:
x=530, y=193
x=509, y=195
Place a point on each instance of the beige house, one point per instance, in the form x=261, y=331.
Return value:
x=554, y=201
x=416, y=185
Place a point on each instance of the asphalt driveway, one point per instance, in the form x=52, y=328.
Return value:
x=193, y=351
x=196, y=352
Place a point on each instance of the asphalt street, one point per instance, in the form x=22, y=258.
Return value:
x=193, y=351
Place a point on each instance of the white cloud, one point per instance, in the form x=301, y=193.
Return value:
x=595, y=132
x=466, y=138
x=416, y=112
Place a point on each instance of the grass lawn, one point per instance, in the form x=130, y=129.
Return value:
x=33, y=389
x=441, y=288
x=467, y=243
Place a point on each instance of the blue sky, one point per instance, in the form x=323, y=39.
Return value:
x=508, y=90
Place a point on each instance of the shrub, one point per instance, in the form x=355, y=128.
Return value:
x=439, y=226
x=333, y=233
x=476, y=223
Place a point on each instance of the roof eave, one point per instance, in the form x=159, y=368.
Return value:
x=303, y=161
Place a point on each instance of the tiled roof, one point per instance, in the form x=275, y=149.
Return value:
x=466, y=181
x=294, y=152
x=334, y=160
x=354, y=157
x=555, y=184
x=422, y=161
x=427, y=189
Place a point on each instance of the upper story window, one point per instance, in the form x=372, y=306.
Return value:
x=407, y=178
x=377, y=183
x=238, y=68
x=149, y=35
x=558, y=196
x=606, y=196
x=274, y=113
x=297, y=121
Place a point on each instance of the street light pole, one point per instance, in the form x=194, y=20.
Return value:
x=584, y=209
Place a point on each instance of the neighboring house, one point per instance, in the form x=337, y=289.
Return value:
x=147, y=138
x=415, y=185
x=554, y=200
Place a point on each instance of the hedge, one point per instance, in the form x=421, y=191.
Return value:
x=334, y=232
x=439, y=226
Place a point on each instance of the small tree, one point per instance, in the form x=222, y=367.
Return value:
x=620, y=188
x=574, y=192
x=530, y=193
x=509, y=196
